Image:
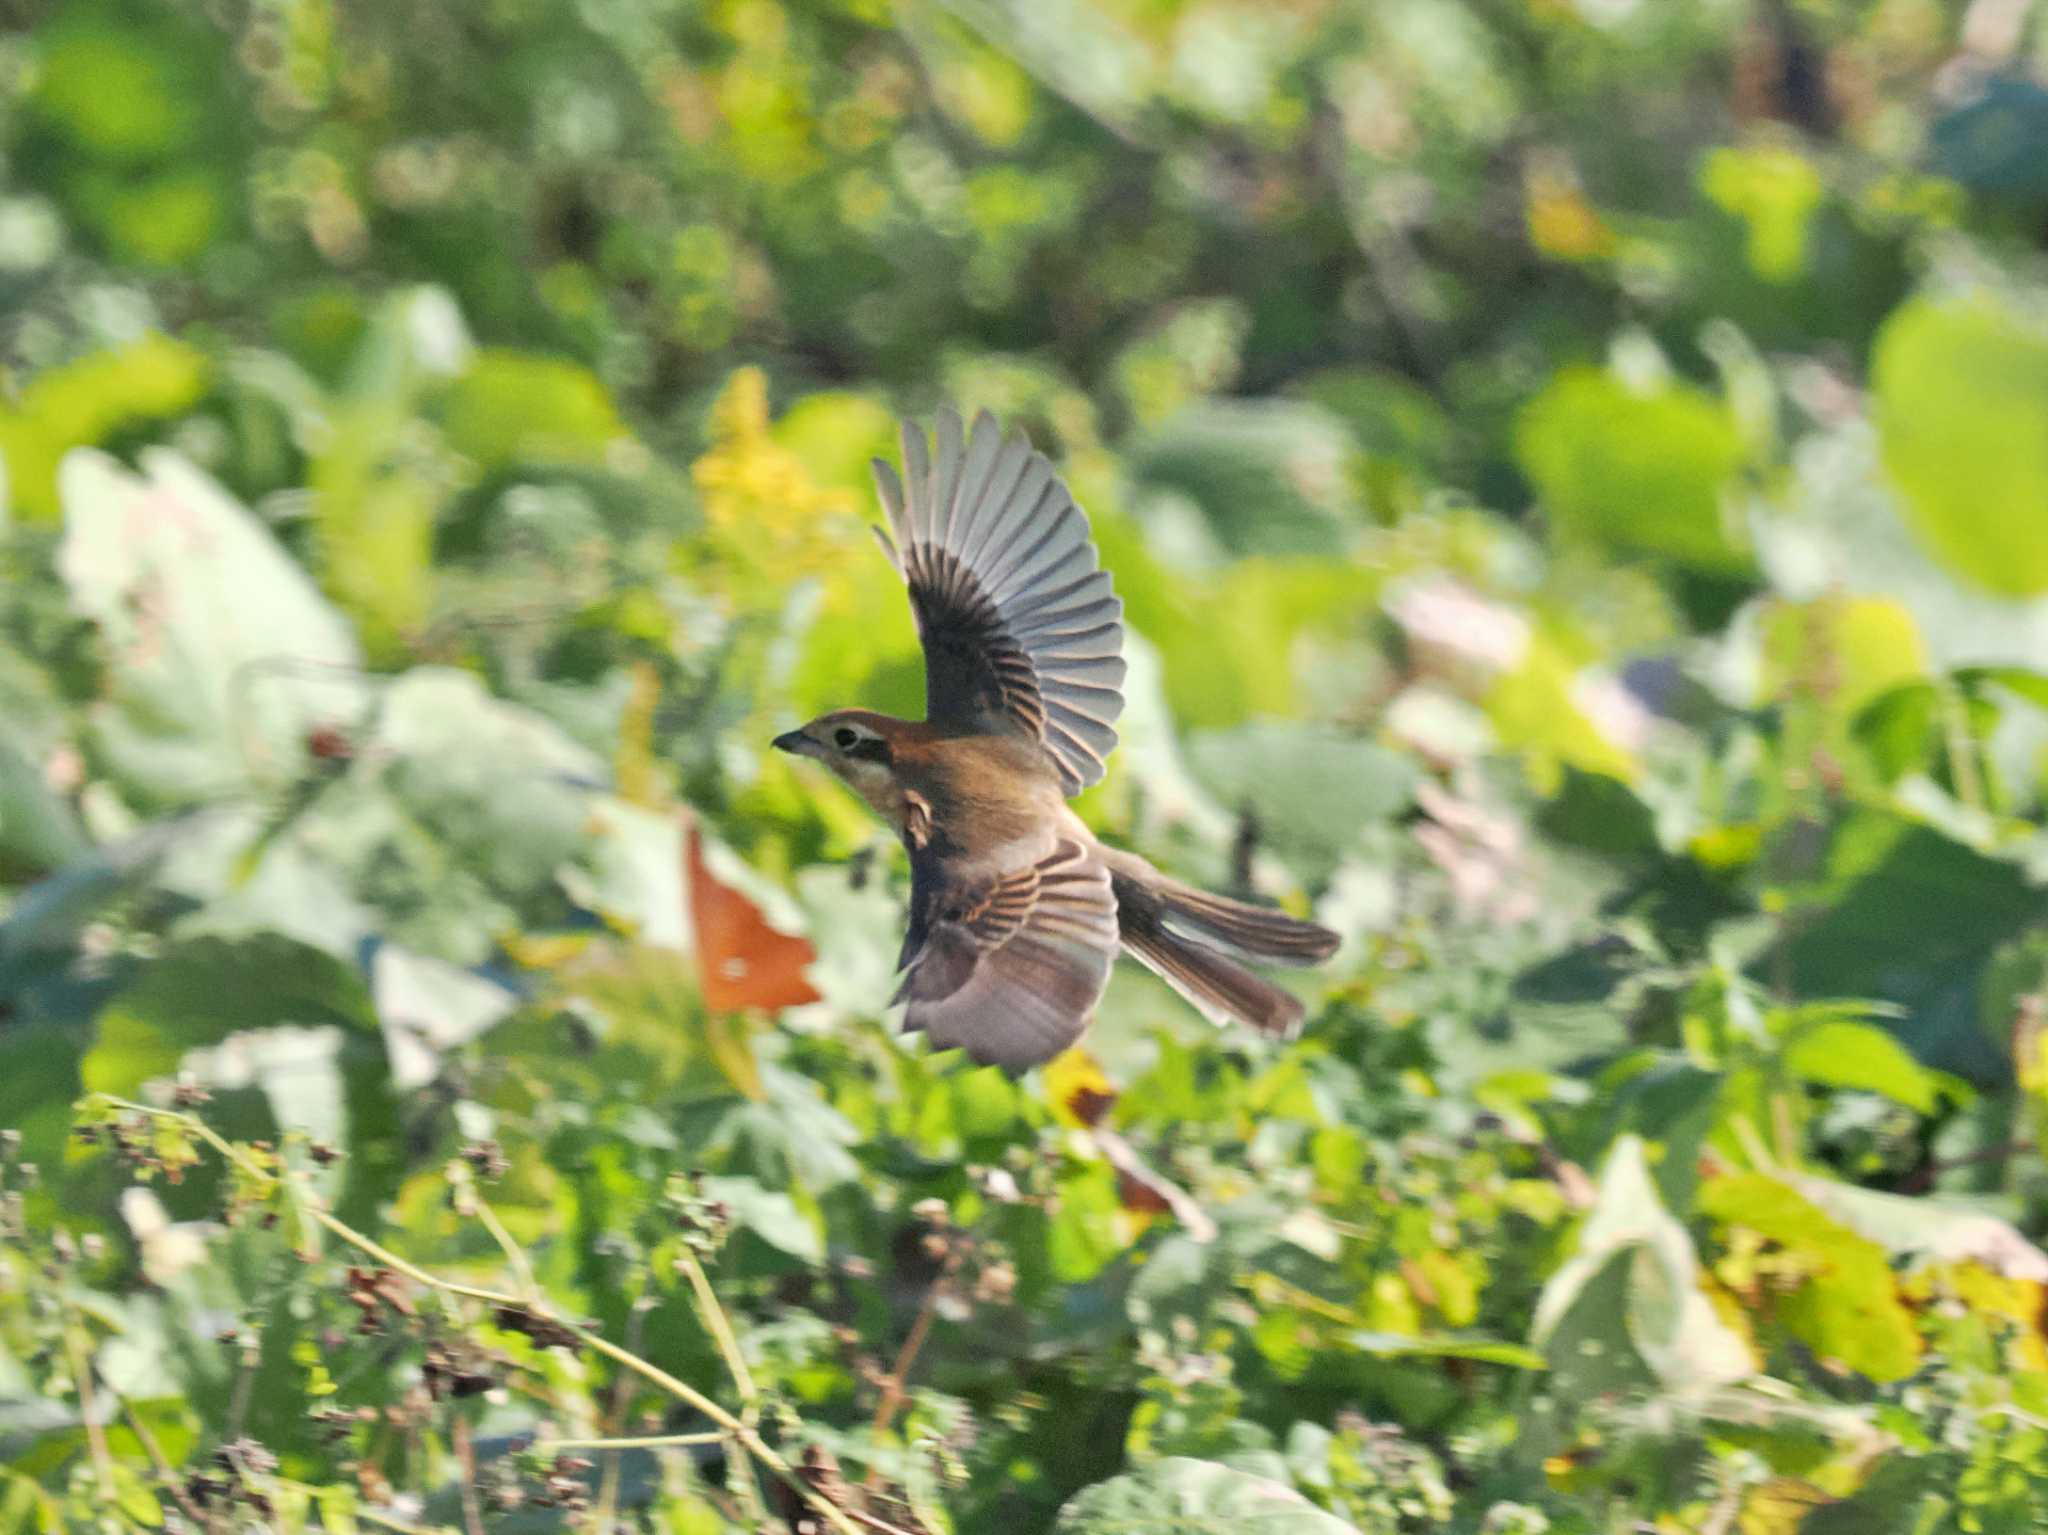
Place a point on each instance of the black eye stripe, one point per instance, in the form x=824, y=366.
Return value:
x=870, y=751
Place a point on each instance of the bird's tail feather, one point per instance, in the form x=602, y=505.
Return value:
x=1222, y=990
x=1257, y=932
x=1187, y=937
x=1216, y=921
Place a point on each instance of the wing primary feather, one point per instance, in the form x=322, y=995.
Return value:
x=888, y=545
x=890, y=489
x=1090, y=671
x=983, y=443
x=992, y=499
x=1054, y=577
x=1081, y=644
x=917, y=473
x=1053, y=618
x=1090, y=729
x=1042, y=521
x=945, y=478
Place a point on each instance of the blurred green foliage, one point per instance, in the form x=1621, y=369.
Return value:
x=1577, y=472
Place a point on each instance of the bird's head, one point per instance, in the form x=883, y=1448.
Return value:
x=855, y=744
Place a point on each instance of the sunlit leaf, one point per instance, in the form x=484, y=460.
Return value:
x=1845, y=1302
x=1644, y=472
x=1844, y=1053
x=1962, y=395
x=202, y=991
x=518, y=407
x=86, y=401
x=1929, y=1227
x=769, y=1214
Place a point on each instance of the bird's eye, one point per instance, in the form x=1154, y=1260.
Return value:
x=845, y=737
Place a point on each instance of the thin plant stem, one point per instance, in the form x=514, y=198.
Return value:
x=1961, y=748
x=608, y=1486
x=893, y=1394
x=742, y=1433
x=641, y=1442
x=166, y=1472
x=465, y=1456
x=245, y=1385
x=95, y=1431
x=739, y=1481
x=719, y=1325
x=515, y=1255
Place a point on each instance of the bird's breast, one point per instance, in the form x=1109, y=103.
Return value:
x=987, y=793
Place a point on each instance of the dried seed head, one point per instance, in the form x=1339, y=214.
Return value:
x=488, y=1158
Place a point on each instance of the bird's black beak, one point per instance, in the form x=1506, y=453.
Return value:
x=795, y=742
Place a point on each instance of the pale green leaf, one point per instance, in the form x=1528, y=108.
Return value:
x=1644, y=473
x=1179, y=1496
x=1962, y=401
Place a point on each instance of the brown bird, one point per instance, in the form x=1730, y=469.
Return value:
x=1016, y=911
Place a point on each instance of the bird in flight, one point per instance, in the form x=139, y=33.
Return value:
x=1016, y=911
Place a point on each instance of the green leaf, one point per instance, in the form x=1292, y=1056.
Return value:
x=1302, y=781
x=428, y=1006
x=337, y=1505
x=221, y=654
x=1775, y=191
x=2028, y=684
x=378, y=485
x=769, y=1214
x=1668, y=1318
x=1897, y=728
x=501, y=785
x=1387, y=1345
x=1962, y=403
x=521, y=407
x=1928, y=1228
x=1178, y=1496
x=1270, y=477
x=1644, y=473
x=208, y=988
x=1839, y=1052
x=1848, y=1309
x=1536, y=709
x=86, y=402
x=1848, y=651
x=1914, y=926
x=37, y=829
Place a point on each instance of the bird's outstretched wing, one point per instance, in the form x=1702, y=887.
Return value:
x=1009, y=968
x=1021, y=630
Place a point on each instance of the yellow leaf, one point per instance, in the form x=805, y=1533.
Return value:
x=1078, y=1089
x=87, y=401
x=1561, y=222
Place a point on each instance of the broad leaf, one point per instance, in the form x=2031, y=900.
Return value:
x=1962, y=400
x=1178, y=1496
x=1642, y=472
x=1668, y=1318
x=223, y=656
